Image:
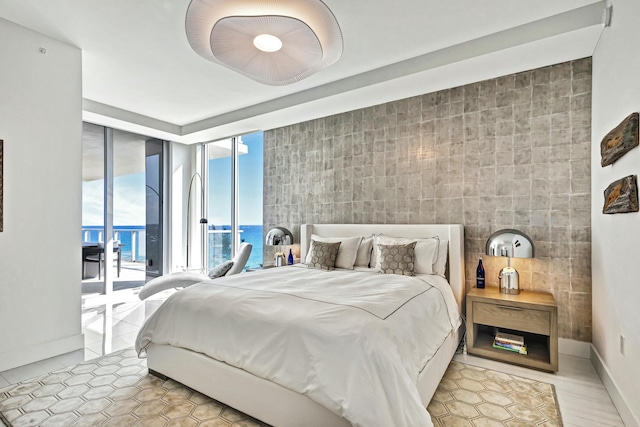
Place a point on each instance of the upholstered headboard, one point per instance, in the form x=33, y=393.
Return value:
x=454, y=233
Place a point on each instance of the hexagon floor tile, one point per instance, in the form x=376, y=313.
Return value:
x=472, y=396
x=116, y=390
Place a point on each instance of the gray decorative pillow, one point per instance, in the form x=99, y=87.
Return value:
x=221, y=269
x=397, y=259
x=323, y=255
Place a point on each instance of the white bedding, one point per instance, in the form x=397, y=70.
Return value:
x=353, y=341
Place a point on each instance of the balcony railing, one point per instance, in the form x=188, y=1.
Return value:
x=219, y=245
x=132, y=239
x=219, y=241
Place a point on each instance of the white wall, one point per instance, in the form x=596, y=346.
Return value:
x=40, y=253
x=180, y=167
x=616, y=238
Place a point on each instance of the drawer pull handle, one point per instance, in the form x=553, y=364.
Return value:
x=508, y=307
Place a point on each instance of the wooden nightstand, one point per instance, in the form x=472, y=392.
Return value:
x=531, y=314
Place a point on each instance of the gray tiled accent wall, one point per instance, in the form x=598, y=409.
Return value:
x=511, y=152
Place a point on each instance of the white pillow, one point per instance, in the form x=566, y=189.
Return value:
x=426, y=251
x=347, y=252
x=374, y=253
x=364, y=252
x=440, y=267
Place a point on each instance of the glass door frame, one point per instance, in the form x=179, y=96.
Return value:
x=108, y=211
x=203, y=161
x=155, y=193
x=235, y=197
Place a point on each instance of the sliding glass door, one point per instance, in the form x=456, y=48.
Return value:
x=234, y=190
x=116, y=203
x=129, y=209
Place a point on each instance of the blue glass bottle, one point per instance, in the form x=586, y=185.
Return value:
x=290, y=259
x=480, y=275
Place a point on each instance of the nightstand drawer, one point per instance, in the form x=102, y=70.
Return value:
x=510, y=317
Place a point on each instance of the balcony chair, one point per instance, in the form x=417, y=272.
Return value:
x=92, y=259
x=182, y=279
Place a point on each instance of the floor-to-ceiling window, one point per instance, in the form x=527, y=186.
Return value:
x=113, y=164
x=235, y=198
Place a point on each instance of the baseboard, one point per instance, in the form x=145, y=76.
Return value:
x=35, y=353
x=574, y=348
x=610, y=385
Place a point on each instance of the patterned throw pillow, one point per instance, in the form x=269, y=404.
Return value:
x=323, y=255
x=426, y=251
x=220, y=270
x=397, y=259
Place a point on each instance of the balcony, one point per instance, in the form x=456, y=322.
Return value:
x=132, y=267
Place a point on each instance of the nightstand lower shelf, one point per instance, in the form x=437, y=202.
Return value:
x=538, y=355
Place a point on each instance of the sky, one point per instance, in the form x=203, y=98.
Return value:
x=250, y=185
x=129, y=191
x=128, y=201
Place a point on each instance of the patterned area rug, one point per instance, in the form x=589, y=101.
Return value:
x=116, y=390
x=474, y=397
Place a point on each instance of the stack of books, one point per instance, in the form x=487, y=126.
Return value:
x=510, y=342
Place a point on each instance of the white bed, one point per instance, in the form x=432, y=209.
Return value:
x=281, y=406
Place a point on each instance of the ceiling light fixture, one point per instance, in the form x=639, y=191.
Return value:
x=267, y=43
x=274, y=42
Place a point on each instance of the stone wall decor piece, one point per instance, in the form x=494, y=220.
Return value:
x=620, y=140
x=1, y=143
x=621, y=196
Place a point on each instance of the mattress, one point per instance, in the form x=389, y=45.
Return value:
x=353, y=341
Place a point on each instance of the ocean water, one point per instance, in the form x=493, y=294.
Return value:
x=253, y=234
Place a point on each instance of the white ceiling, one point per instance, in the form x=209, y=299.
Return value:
x=139, y=73
x=129, y=152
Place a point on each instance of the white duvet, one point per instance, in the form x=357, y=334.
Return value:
x=354, y=342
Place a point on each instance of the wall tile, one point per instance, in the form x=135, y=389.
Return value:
x=511, y=152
